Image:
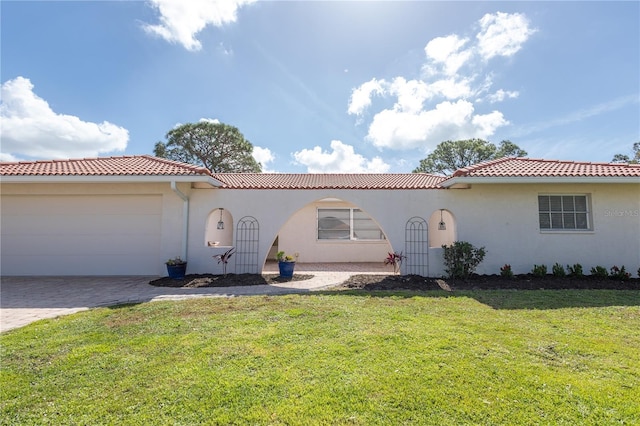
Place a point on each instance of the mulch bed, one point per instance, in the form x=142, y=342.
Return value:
x=485, y=282
x=410, y=282
x=230, y=280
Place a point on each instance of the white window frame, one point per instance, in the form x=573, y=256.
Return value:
x=563, y=219
x=353, y=230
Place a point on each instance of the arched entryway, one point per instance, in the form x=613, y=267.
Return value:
x=331, y=230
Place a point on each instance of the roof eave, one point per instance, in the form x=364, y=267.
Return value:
x=110, y=179
x=468, y=180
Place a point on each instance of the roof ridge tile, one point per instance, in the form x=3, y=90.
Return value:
x=537, y=167
x=126, y=165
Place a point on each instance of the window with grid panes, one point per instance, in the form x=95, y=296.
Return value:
x=563, y=212
x=347, y=224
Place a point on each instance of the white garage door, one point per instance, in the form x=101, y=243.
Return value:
x=80, y=234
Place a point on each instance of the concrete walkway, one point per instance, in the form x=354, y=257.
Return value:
x=27, y=299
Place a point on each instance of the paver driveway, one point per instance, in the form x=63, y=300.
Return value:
x=27, y=299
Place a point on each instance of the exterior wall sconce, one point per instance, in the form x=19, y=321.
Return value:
x=441, y=225
x=220, y=222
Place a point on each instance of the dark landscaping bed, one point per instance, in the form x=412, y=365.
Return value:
x=411, y=282
x=230, y=280
x=486, y=282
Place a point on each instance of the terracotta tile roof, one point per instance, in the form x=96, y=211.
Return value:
x=141, y=165
x=328, y=181
x=146, y=165
x=529, y=167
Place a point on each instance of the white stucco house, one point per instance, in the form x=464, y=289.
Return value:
x=127, y=215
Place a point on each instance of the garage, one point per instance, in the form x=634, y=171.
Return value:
x=81, y=234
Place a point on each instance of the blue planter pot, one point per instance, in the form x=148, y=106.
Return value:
x=177, y=272
x=286, y=269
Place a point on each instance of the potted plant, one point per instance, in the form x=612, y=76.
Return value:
x=286, y=264
x=176, y=268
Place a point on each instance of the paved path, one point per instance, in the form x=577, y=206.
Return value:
x=27, y=299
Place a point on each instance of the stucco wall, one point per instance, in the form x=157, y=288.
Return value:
x=299, y=235
x=292, y=215
x=504, y=219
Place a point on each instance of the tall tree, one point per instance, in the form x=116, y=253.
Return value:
x=219, y=147
x=450, y=156
x=623, y=158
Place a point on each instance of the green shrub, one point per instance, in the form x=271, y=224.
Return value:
x=599, y=271
x=506, y=271
x=558, y=270
x=539, y=270
x=619, y=273
x=461, y=259
x=575, y=270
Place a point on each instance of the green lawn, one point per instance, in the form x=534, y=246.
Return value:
x=491, y=357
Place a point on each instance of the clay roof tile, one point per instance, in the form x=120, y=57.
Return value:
x=328, y=181
x=141, y=165
x=530, y=167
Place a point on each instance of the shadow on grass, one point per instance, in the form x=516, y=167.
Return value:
x=122, y=305
x=516, y=299
x=556, y=299
x=496, y=299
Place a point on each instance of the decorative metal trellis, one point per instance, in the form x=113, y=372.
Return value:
x=416, y=243
x=247, y=239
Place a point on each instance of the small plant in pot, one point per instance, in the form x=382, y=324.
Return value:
x=286, y=264
x=176, y=268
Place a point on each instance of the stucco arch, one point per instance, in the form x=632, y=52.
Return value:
x=275, y=208
x=298, y=235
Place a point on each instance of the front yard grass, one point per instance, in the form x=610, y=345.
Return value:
x=490, y=357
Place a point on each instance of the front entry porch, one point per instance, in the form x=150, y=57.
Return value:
x=378, y=268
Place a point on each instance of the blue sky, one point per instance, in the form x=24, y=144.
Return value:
x=321, y=86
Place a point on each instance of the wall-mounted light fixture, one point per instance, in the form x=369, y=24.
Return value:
x=441, y=225
x=220, y=222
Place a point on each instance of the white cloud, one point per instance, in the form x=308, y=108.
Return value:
x=206, y=120
x=181, y=20
x=31, y=128
x=8, y=157
x=342, y=159
x=502, y=34
x=361, y=97
x=486, y=125
x=263, y=156
x=446, y=51
x=410, y=94
x=500, y=95
x=403, y=130
x=450, y=88
x=421, y=113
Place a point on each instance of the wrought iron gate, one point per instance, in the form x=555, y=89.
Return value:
x=247, y=239
x=416, y=247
